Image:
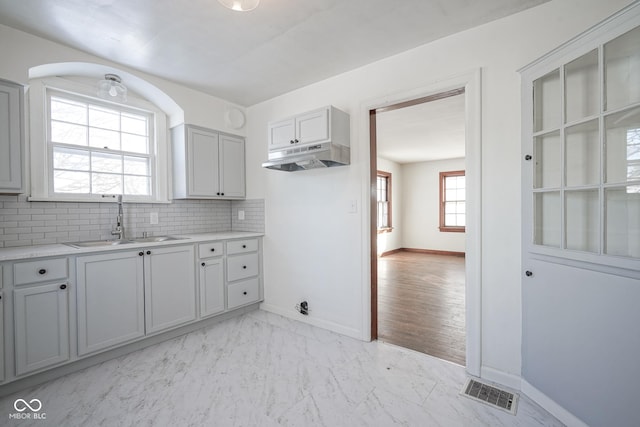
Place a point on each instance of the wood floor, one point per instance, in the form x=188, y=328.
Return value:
x=421, y=303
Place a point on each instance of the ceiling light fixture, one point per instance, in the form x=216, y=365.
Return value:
x=112, y=89
x=240, y=5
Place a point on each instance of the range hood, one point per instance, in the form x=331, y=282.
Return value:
x=323, y=155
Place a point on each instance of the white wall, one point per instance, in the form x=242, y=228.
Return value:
x=421, y=209
x=393, y=239
x=315, y=249
x=21, y=51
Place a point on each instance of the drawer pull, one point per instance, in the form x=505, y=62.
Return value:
x=213, y=249
x=244, y=267
x=42, y=271
x=203, y=264
x=244, y=293
x=63, y=287
x=244, y=246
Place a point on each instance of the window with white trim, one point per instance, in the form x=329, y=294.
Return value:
x=97, y=148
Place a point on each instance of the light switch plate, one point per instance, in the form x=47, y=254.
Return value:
x=153, y=218
x=241, y=215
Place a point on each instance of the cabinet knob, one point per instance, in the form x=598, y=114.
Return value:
x=217, y=194
x=222, y=194
x=244, y=267
x=291, y=142
x=148, y=252
x=213, y=249
x=140, y=253
x=244, y=246
x=203, y=264
x=296, y=141
x=528, y=157
x=42, y=271
x=528, y=273
x=63, y=287
x=244, y=293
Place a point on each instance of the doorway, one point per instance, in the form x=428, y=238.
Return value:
x=468, y=87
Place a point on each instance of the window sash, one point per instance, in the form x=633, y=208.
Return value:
x=92, y=181
x=383, y=189
x=452, y=201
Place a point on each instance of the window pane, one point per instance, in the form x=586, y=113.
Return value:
x=622, y=227
x=581, y=87
x=135, y=143
x=101, y=162
x=104, y=118
x=622, y=142
x=136, y=166
x=71, y=182
x=104, y=139
x=547, y=219
x=68, y=134
x=68, y=111
x=137, y=185
x=583, y=154
x=547, y=150
x=546, y=102
x=102, y=183
x=583, y=220
x=621, y=64
x=134, y=124
x=67, y=158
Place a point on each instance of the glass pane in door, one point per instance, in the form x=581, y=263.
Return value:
x=621, y=70
x=547, y=155
x=582, y=222
x=547, y=219
x=582, y=87
x=622, y=226
x=622, y=146
x=582, y=157
x=546, y=102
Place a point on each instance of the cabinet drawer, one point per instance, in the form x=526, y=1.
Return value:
x=39, y=271
x=242, y=246
x=242, y=266
x=243, y=293
x=208, y=250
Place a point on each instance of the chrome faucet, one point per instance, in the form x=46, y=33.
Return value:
x=119, y=230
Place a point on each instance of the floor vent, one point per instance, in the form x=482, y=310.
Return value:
x=491, y=395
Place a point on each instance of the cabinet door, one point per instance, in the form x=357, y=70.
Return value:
x=41, y=316
x=203, y=159
x=313, y=127
x=1, y=331
x=110, y=300
x=170, y=297
x=232, y=167
x=281, y=133
x=10, y=137
x=211, y=287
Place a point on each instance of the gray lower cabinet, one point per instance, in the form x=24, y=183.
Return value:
x=110, y=299
x=170, y=293
x=211, y=287
x=41, y=317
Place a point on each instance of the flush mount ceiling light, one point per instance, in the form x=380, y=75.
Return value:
x=112, y=89
x=240, y=5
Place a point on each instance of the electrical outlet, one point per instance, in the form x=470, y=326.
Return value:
x=241, y=215
x=153, y=218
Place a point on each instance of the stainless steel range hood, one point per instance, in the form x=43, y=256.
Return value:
x=323, y=155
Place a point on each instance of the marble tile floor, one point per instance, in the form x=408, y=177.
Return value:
x=260, y=369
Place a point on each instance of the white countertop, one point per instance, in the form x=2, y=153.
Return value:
x=39, y=251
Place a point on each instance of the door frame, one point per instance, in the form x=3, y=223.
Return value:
x=471, y=82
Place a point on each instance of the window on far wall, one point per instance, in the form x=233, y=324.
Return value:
x=452, y=201
x=384, y=201
x=99, y=148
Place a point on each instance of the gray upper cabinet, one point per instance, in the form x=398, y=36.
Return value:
x=207, y=164
x=11, y=137
x=313, y=127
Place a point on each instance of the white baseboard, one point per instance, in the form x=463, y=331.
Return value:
x=324, y=324
x=551, y=406
x=500, y=377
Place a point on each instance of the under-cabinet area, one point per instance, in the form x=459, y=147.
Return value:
x=63, y=305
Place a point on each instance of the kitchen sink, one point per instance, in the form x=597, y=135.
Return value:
x=98, y=243
x=152, y=239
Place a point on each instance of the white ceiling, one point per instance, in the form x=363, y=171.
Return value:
x=424, y=132
x=249, y=57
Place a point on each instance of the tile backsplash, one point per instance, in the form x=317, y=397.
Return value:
x=24, y=223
